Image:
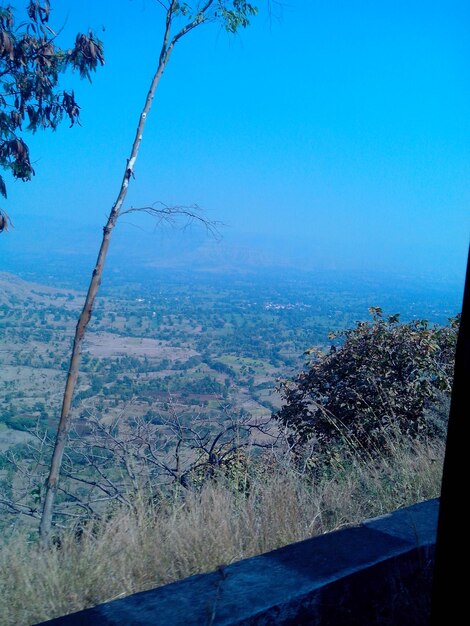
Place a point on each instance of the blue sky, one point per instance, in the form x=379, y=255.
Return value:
x=336, y=132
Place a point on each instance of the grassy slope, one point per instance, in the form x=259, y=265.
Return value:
x=154, y=545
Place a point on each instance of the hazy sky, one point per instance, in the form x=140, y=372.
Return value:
x=337, y=128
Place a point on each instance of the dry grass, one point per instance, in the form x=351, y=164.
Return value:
x=157, y=544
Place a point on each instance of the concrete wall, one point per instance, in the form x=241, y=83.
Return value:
x=376, y=573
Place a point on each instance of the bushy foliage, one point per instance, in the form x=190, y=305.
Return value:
x=30, y=65
x=377, y=378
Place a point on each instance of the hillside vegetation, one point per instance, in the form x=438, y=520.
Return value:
x=149, y=499
x=271, y=503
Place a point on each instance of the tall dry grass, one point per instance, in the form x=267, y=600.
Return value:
x=157, y=543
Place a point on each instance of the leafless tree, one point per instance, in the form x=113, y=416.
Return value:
x=112, y=461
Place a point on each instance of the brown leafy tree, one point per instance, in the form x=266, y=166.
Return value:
x=379, y=380
x=180, y=19
x=31, y=63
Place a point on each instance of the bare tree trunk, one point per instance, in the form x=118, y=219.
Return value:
x=65, y=417
x=231, y=14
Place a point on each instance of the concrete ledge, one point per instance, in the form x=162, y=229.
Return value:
x=375, y=573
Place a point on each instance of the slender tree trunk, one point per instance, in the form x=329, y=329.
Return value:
x=231, y=18
x=85, y=316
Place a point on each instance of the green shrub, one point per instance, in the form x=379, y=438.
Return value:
x=380, y=377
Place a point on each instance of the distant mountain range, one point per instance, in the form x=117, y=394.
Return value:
x=57, y=241
x=58, y=246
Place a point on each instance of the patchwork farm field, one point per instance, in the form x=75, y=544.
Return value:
x=193, y=344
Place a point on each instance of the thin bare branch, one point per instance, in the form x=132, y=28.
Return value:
x=171, y=214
